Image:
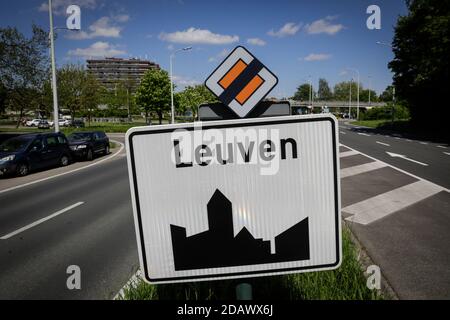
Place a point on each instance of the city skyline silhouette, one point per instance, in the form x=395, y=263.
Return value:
x=218, y=247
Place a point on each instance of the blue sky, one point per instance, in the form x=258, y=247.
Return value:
x=295, y=39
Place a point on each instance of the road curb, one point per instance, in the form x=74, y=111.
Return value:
x=132, y=283
x=364, y=258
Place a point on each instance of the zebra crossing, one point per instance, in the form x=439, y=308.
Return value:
x=379, y=205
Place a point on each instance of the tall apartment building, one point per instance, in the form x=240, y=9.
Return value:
x=110, y=71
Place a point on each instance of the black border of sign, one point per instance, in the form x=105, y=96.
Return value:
x=256, y=104
x=212, y=126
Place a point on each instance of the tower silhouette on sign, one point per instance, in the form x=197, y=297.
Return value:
x=218, y=247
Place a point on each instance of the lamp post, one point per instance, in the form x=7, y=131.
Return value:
x=55, y=89
x=171, y=80
x=350, y=100
x=357, y=95
x=53, y=63
x=310, y=92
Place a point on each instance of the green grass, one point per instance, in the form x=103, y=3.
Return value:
x=346, y=283
x=370, y=123
x=112, y=145
x=383, y=124
x=101, y=126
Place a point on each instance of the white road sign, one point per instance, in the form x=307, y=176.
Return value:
x=236, y=198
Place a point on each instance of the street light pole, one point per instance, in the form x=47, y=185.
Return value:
x=310, y=92
x=171, y=82
x=357, y=95
x=54, y=87
x=350, y=100
x=393, y=107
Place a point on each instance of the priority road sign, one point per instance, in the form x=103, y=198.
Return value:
x=236, y=198
x=241, y=81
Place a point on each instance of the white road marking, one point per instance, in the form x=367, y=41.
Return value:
x=443, y=147
x=31, y=225
x=384, y=144
x=396, y=155
x=423, y=142
x=351, y=171
x=342, y=132
x=375, y=208
x=347, y=153
x=447, y=153
x=64, y=173
x=397, y=138
x=364, y=134
x=394, y=167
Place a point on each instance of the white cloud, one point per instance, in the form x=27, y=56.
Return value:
x=317, y=57
x=184, y=82
x=197, y=36
x=100, y=28
x=289, y=29
x=99, y=49
x=121, y=18
x=324, y=26
x=220, y=56
x=256, y=42
x=60, y=6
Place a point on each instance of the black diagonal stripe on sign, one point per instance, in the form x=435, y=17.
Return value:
x=241, y=81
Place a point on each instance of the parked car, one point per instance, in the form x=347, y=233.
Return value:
x=77, y=124
x=43, y=124
x=85, y=145
x=33, y=123
x=61, y=122
x=29, y=152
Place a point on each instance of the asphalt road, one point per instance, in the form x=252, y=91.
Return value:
x=434, y=158
x=97, y=235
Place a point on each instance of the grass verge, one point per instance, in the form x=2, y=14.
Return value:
x=346, y=283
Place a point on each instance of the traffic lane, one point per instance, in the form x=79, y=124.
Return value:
x=438, y=164
x=433, y=153
x=28, y=204
x=97, y=236
x=417, y=147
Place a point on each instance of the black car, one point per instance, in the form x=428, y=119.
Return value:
x=29, y=152
x=77, y=124
x=85, y=145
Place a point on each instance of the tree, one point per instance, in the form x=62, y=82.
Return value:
x=342, y=91
x=153, y=94
x=421, y=48
x=192, y=97
x=23, y=67
x=387, y=94
x=324, y=92
x=364, y=95
x=70, y=81
x=91, y=95
x=302, y=93
x=3, y=96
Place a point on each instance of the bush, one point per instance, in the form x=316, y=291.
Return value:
x=385, y=113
